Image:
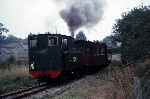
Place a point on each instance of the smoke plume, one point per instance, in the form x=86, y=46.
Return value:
x=78, y=13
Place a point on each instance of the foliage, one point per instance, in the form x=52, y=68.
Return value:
x=10, y=39
x=17, y=77
x=13, y=83
x=115, y=50
x=81, y=36
x=110, y=41
x=133, y=32
x=3, y=29
x=143, y=73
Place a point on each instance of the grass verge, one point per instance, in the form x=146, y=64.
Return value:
x=14, y=78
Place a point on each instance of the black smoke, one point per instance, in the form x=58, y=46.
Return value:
x=78, y=13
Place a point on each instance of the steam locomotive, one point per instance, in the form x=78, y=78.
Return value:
x=52, y=55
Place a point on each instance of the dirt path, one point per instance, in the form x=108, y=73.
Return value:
x=92, y=88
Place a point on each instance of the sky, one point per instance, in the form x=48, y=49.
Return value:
x=38, y=16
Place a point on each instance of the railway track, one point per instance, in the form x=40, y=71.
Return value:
x=24, y=92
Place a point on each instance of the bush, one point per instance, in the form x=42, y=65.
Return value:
x=133, y=32
x=143, y=72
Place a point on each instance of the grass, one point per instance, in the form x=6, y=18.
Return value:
x=14, y=71
x=14, y=78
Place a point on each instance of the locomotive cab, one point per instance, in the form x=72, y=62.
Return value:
x=45, y=55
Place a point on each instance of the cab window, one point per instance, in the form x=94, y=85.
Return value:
x=33, y=43
x=52, y=41
x=64, y=43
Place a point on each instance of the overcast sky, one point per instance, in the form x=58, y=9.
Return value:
x=24, y=16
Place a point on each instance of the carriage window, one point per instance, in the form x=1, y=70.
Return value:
x=52, y=41
x=33, y=43
x=102, y=51
x=97, y=51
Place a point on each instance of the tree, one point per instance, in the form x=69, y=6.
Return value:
x=3, y=29
x=133, y=31
x=81, y=36
x=11, y=39
x=112, y=44
x=110, y=41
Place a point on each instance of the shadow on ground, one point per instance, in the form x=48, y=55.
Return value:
x=71, y=77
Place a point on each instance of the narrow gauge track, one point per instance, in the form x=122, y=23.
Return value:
x=34, y=90
x=24, y=92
